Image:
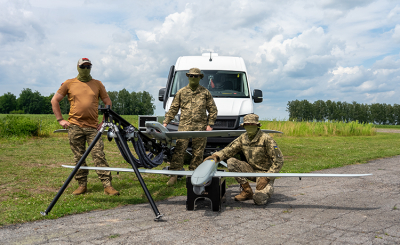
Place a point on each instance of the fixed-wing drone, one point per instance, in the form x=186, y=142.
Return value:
x=159, y=142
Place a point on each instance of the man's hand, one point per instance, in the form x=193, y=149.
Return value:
x=165, y=125
x=64, y=123
x=209, y=128
x=212, y=157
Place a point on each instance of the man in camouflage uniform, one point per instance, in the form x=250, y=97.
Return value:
x=193, y=100
x=83, y=94
x=263, y=156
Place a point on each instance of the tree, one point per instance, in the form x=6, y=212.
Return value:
x=390, y=116
x=294, y=109
x=114, y=99
x=320, y=110
x=145, y=104
x=125, y=103
x=307, y=110
x=365, y=114
x=30, y=102
x=396, y=111
x=47, y=108
x=8, y=102
x=377, y=113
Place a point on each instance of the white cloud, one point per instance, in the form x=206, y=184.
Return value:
x=339, y=50
x=396, y=34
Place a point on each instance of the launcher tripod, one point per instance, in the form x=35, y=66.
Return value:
x=122, y=131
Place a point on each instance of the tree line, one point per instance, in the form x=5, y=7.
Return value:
x=29, y=102
x=320, y=110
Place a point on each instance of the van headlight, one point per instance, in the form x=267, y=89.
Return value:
x=241, y=119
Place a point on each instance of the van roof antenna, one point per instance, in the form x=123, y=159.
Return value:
x=210, y=58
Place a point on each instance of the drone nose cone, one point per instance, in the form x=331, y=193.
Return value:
x=203, y=173
x=198, y=190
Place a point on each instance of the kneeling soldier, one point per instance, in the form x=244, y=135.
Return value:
x=262, y=156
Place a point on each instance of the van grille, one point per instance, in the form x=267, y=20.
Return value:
x=225, y=123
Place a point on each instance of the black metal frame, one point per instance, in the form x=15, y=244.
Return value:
x=141, y=143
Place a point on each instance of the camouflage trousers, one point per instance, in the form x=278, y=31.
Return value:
x=260, y=197
x=77, y=139
x=198, y=145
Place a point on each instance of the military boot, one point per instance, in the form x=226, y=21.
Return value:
x=81, y=190
x=246, y=194
x=109, y=190
x=172, y=181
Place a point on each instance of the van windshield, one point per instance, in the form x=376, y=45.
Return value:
x=231, y=84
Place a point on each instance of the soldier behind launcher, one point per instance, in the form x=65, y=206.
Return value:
x=193, y=100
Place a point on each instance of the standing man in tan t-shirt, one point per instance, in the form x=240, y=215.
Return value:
x=83, y=95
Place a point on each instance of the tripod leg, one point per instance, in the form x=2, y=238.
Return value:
x=78, y=165
x=144, y=187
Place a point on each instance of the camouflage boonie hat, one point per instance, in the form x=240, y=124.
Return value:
x=250, y=118
x=195, y=71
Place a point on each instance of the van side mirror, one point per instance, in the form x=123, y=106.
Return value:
x=161, y=94
x=257, y=96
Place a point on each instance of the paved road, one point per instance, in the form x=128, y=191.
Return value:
x=311, y=211
x=387, y=130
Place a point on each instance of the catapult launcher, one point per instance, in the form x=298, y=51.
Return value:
x=122, y=131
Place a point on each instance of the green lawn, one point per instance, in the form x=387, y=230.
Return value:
x=32, y=172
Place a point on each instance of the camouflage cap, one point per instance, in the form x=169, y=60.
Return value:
x=83, y=60
x=250, y=118
x=195, y=71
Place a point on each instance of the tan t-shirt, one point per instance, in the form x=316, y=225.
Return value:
x=84, y=100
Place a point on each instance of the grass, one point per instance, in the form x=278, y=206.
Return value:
x=388, y=126
x=48, y=123
x=32, y=172
x=301, y=129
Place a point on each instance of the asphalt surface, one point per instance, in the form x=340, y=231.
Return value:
x=362, y=210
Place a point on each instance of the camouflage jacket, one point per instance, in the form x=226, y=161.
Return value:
x=262, y=153
x=193, y=105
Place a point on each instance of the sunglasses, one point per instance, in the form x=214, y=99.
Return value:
x=85, y=66
x=195, y=76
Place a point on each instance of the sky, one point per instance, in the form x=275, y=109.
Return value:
x=337, y=50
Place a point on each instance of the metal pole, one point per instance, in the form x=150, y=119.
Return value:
x=144, y=187
x=78, y=165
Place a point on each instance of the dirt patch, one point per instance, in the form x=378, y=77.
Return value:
x=383, y=130
x=43, y=189
x=4, y=190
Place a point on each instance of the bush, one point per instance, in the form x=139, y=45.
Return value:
x=18, y=126
x=17, y=112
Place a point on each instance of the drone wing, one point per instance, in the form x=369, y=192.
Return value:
x=219, y=173
x=214, y=133
x=238, y=174
x=148, y=171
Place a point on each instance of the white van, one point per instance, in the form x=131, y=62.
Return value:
x=226, y=78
